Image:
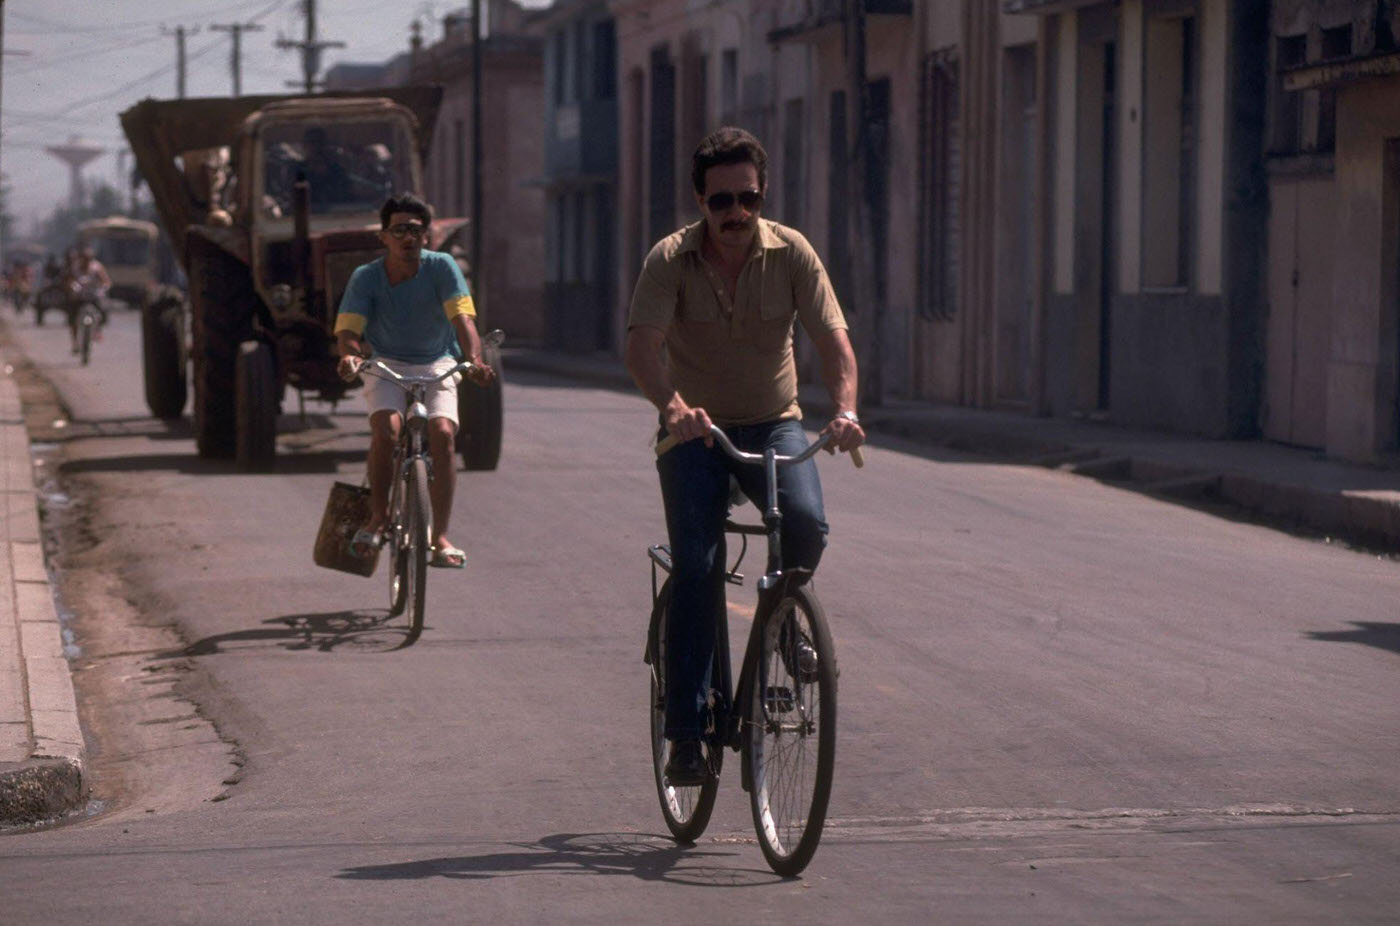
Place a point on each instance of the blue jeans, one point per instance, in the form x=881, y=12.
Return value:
x=695, y=490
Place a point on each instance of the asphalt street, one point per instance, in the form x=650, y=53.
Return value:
x=1060, y=701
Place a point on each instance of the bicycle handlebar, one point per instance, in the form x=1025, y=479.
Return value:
x=379, y=369
x=493, y=338
x=670, y=441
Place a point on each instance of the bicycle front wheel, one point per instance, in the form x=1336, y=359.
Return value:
x=686, y=809
x=418, y=532
x=790, y=731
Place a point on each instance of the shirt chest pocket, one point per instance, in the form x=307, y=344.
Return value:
x=772, y=317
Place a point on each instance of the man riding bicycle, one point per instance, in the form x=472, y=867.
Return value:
x=710, y=340
x=413, y=309
x=87, y=283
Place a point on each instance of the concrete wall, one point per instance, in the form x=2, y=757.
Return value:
x=513, y=254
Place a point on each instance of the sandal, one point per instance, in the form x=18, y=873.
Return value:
x=448, y=557
x=365, y=542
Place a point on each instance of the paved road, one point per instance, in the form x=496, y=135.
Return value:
x=1059, y=700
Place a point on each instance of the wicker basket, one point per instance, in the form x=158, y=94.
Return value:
x=347, y=510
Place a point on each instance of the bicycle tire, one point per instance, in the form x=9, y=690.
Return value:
x=686, y=810
x=398, y=550
x=419, y=513
x=791, y=703
x=84, y=338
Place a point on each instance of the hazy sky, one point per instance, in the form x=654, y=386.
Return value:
x=70, y=66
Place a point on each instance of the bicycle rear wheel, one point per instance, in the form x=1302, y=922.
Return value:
x=418, y=528
x=790, y=731
x=686, y=809
x=85, y=325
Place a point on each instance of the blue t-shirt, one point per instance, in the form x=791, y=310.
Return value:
x=412, y=321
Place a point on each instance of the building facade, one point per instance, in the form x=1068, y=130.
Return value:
x=580, y=175
x=1333, y=158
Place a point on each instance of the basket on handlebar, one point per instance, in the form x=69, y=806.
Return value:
x=347, y=510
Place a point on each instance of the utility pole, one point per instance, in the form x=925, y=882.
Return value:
x=310, y=48
x=236, y=58
x=180, y=33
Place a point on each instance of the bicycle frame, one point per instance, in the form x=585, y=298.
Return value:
x=411, y=445
x=773, y=586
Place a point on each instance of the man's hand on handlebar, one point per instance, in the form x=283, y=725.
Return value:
x=349, y=366
x=846, y=434
x=481, y=372
x=685, y=423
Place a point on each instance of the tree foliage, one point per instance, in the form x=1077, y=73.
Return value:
x=60, y=229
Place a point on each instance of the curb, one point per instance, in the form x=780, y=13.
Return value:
x=41, y=741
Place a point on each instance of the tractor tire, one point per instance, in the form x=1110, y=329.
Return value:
x=256, y=409
x=163, y=356
x=479, y=410
x=221, y=306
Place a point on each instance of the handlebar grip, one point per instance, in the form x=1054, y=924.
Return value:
x=670, y=441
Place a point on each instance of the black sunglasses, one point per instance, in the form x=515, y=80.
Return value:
x=407, y=230
x=723, y=202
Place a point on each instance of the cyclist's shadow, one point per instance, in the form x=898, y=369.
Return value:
x=640, y=855
x=369, y=630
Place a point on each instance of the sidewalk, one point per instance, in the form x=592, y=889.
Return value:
x=41, y=744
x=1285, y=487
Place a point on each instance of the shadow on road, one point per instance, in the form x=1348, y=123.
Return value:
x=363, y=630
x=1372, y=633
x=640, y=855
x=324, y=461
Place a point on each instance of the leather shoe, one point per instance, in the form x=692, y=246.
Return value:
x=686, y=767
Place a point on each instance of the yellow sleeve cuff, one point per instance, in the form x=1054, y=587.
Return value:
x=461, y=305
x=349, y=321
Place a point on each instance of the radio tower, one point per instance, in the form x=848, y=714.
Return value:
x=75, y=154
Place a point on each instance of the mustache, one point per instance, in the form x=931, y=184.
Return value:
x=739, y=225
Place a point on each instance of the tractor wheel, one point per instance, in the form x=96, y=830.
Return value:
x=256, y=411
x=163, y=356
x=479, y=408
x=221, y=297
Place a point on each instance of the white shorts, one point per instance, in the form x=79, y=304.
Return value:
x=383, y=395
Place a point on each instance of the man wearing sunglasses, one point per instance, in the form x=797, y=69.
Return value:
x=412, y=308
x=710, y=341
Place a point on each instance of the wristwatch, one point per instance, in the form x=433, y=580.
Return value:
x=850, y=416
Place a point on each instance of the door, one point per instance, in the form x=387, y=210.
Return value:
x=1015, y=297
x=1300, y=293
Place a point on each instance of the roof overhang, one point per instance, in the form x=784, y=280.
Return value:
x=1337, y=73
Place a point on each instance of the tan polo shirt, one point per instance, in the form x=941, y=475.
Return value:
x=735, y=359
